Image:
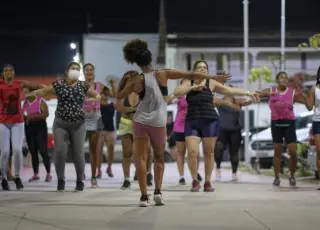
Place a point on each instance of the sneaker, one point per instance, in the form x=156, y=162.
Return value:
x=48, y=178
x=218, y=173
x=182, y=181
x=94, y=183
x=109, y=172
x=126, y=185
x=144, y=200
x=99, y=174
x=157, y=198
x=61, y=185
x=199, y=178
x=195, y=186
x=5, y=185
x=18, y=183
x=208, y=187
x=34, y=178
x=149, y=179
x=276, y=182
x=79, y=186
x=234, y=177
x=292, y=181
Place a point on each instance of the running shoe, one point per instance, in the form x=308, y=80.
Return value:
x=34, y=178
x=61, y=185
x=5, y=185
x=276, y=182
x=48, y=178
x=18, y=183
x=292, y=181
x=235, y=177
x=195, y=186
x=149, y=179
x=208, y=187
x=182, y=181
x=109, y=172
x=157, y=198
x=79, y=186
x=94, y=183
x=126, y=185
x=144, y=200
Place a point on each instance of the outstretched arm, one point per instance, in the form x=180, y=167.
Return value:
x=31, y=85
x=229, y=91
x=43, y=92
x=223, y=102
x=176, y=74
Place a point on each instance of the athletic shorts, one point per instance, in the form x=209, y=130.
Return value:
x=179, y=137
x=125, y=126
x=316, y=127
x=201, y=128
x=283, y=131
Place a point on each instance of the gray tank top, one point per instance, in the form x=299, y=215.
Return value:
x=152, y=109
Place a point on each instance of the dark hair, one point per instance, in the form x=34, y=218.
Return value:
x=88, y=64
x=6, y=66
x=73, y=63
x=281, y=72
x=136, y=51
x=198, y=62
x=318, y=77
x=125, y=77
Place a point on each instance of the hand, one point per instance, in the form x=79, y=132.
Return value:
x=254, y=95
x=222, y=78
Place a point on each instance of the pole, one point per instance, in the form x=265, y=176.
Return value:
x=246, y=74
x=283, y=35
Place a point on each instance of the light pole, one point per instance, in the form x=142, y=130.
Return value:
x=283, y=35
x=246, y=74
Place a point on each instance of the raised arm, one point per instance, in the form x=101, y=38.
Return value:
x=43, y=92
x=31, y=85
x=176, y=74
x=223, y=102
x=310, y=98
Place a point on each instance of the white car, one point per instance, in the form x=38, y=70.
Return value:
x=261, y=145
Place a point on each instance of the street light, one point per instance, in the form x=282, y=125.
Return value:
x=73, y=45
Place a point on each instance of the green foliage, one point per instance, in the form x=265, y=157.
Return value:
x=314, y=42
x=262, y=73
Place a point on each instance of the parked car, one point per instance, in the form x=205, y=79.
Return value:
x=261, y=144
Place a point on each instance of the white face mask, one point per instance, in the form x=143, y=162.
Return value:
x=74, y=74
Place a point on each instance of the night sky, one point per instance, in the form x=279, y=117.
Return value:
x=35, y=37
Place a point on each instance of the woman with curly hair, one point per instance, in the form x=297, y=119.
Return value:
x=151, y=114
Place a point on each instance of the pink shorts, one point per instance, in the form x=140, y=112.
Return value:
x=156, y=135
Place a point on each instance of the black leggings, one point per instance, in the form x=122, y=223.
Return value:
x=232, y=140
x=37, y=140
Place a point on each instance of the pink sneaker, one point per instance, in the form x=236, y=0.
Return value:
x=34, y=178
x=48, y=178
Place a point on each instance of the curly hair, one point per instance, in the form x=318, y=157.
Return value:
x=136, y=51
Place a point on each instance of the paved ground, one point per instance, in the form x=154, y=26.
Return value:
x=252, y=203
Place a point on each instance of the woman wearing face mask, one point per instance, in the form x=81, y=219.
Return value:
x=36, y=113
x=69, y=122
x=151, y=114
x=12, y=123
x=202, y=121
x=106, y=129
x=281, y=99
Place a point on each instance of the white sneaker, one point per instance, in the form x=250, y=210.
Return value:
x=144, y=201
x=218, y=174
x=158, y=199
x=235, y=177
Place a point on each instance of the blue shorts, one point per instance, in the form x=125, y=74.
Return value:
x=316, y=127
x=201, y=128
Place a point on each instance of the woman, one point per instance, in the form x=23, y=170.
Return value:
x=69, y=122
x=127, y=107
x=11, y=123
x=202, y=121
x=151, y=114
x=230, y=132
x=313, y=101
x=281, y=99
x=106, y=129
x=36, y=132
x=178, y=128
x=92, y=113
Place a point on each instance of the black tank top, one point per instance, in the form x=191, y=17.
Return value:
x=200, y=104
x=107, y=114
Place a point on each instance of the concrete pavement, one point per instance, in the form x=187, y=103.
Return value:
x=251, y=203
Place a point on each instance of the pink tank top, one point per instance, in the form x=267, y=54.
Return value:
x=33, y=108
x=91, y=105
x=281, y=104
x=181, y=115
